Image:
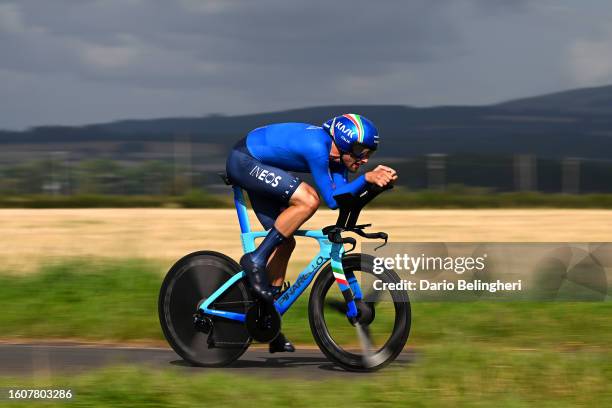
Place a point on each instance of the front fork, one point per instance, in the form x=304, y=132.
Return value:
x=349, y=286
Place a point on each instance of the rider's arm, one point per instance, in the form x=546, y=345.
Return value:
x=333, y=183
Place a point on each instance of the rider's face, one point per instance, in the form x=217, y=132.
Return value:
x=352, y=163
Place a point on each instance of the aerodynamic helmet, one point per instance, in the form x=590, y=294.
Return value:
x=352, y=133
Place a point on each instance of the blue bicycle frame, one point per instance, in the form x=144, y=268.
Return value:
x=328, y=251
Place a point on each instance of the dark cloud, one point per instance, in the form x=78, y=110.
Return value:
x=160, y=43
x=143, y=57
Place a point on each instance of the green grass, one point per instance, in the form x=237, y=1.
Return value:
x=453, y=198
x=451, y=375
x=84, y=299
x=473, y=354
x=117, y=300
x=193, y=199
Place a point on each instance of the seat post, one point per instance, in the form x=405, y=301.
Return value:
x=241, y=210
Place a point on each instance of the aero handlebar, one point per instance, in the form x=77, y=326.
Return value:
x=350, y=207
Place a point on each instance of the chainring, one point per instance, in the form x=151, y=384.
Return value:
x=263, y=322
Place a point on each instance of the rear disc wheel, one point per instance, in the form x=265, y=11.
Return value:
x=189, y=283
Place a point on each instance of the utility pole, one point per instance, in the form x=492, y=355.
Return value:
x=436, y=171
x=56, y=183
x=525, y=172
x=182, y=163
x=570, y=176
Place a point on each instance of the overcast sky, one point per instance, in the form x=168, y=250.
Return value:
x=83, y=61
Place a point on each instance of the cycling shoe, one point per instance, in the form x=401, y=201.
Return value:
x=258, y=278
x=280, y=344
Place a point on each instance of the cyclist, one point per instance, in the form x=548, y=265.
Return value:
x=261, y=164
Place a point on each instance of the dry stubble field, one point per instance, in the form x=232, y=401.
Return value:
x=30, y=238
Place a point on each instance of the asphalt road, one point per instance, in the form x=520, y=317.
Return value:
x=53, y=359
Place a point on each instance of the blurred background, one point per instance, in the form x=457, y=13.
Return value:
x=117, y=115
x=146, y=97
x=556, y=143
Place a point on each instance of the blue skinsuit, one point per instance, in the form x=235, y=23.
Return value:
x=303, y=148
x=281, y=148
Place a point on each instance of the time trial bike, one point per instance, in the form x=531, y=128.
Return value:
x=210, y=316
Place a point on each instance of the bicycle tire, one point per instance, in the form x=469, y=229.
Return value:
x=316, y=316
x=191, y=280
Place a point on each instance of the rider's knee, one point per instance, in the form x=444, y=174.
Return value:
x=307, y=198
x=310, y=198
x=312, y=202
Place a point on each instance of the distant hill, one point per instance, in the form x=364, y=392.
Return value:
x=597, y=100
x=572, y=123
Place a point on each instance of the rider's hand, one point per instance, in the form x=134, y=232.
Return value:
x=381, y=176
x=387, y=169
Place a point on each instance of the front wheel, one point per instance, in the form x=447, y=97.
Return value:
x=384, y=318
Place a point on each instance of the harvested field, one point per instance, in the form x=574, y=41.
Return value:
x=32, y=237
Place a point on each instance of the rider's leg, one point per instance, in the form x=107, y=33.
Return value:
x=277, y=266
x=274, y=186
x=268, y=213
x=302, y=205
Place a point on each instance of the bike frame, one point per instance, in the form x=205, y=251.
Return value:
x=328, y=251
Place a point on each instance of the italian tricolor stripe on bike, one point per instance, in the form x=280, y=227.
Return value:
x=340, y=278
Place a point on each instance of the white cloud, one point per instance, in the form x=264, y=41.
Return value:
x=590, y=61
x=206, y=6
x=101, y=56
x=10, y=18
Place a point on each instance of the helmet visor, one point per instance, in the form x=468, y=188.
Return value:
x=361, y=151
